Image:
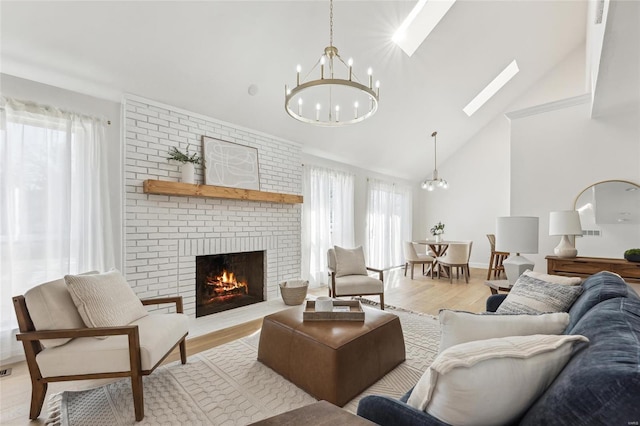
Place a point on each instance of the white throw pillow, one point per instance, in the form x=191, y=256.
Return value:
x=104, y=300
x=51, y=308
x=533, y=296
x=350, y=261
x=461, y=327
x=517, y=369
x=555, y=279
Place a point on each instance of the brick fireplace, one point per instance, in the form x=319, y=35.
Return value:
x=227, y=281
x=165, y=234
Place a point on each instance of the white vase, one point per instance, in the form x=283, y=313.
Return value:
x=188, y=171
x=438, y=238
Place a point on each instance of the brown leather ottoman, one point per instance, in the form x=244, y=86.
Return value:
x=331, y=360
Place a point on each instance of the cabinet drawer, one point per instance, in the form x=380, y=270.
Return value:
x=579, y=266
x=631, y=270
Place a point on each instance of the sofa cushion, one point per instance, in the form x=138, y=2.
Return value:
x=350, y=261
x=460, y=327
x=86, y=355
x=51, y=308
x=601, y=384
x=597, y=288
x=104, y=300
x=454, y=388
x=533, y=296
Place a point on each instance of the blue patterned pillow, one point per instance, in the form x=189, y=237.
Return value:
x=533, y=296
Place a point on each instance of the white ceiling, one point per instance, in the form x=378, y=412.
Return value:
x=202, y=56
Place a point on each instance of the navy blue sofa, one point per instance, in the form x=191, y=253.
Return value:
x=599, y=386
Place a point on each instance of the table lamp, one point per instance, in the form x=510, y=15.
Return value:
x=565, y=223
x=517, y=234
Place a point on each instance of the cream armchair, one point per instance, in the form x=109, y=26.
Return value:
x=60, y=347
x=349, y=274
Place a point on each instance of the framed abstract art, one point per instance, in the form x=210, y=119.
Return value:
x=230, y=164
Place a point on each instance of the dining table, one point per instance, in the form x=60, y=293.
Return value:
x=438, y=248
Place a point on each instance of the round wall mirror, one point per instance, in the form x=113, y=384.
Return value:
x=610, y=218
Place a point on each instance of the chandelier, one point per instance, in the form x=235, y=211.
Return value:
x=336, y=98
x=435, y=181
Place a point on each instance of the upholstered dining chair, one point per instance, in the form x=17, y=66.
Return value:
x=456, y=256
x=70, y=331
x=412, y=257
x=496, y=259
x=350, y=275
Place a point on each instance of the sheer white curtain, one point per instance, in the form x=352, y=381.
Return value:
x=389, y=209
x=327, y=218
x=54, y=207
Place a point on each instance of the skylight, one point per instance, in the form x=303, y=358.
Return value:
x=419, y=23
x=492, y=88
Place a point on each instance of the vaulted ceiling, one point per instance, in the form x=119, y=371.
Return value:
x=203, y=56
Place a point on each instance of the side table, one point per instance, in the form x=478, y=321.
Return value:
x=498, y=285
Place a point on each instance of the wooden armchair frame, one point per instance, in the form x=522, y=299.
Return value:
x=31, y=341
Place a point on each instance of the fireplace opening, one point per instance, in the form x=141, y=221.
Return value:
x=228, y=281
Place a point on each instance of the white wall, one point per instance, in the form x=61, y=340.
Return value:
x=478, y=176
x=28, y=90
x=480, y=173
x=556, y=154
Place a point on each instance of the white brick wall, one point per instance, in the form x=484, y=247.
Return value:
x=163, y=234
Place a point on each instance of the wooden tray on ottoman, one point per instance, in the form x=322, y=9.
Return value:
x=355, y=314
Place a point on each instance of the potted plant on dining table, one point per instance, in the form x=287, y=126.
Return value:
x=437, y=231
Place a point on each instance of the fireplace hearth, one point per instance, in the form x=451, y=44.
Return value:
x=228, y=281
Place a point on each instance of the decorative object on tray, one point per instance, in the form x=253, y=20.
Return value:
x=632, y=255
x=338, y=313
x=323, y=304
x=294, y=291
x=188, y=163
x=230, y=164
x=437, y=231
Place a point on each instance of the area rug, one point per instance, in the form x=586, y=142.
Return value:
x=226, y=385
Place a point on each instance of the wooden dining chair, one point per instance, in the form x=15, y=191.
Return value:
x=496, y=259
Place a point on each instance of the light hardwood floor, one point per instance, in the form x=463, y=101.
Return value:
x=421, y=295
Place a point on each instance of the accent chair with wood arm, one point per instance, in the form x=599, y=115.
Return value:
x=349, y=274
x=60, y=347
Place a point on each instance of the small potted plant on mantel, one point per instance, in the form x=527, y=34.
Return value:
x=188, y=163
x=632, y=255
x=437, y=231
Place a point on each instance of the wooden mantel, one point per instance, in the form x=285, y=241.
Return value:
x=163, y=187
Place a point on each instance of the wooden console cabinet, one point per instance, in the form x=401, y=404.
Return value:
x=585, y=266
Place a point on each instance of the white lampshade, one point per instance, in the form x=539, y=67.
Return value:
x=565, y=223
x=517, y=234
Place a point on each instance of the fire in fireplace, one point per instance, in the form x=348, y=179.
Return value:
x=228, y=281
